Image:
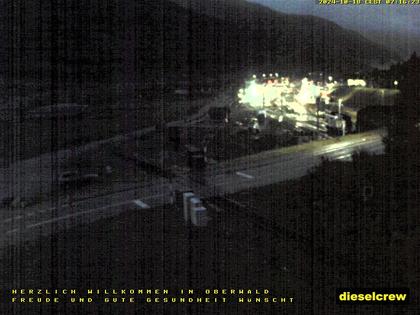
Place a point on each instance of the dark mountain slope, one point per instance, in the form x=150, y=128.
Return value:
x=156, y=42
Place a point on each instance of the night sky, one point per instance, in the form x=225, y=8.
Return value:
x=395, y=26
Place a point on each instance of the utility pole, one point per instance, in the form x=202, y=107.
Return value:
x=343, y=122
x=318, y=101
x=340, y=103
x=343, y=126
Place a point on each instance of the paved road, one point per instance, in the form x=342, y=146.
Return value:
x=229, y=177
x=275, y=166
x=26, y=179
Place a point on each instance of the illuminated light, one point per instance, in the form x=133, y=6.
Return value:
x=271, y=74
x=277, y=75
x=356, y=82
x=264, y=75
x=304, y=95
x=254, y=76
x=258, y=95
x=330, y=78
x=253, y=94
x=330, y=87
x=308, y=92
x=395, y=82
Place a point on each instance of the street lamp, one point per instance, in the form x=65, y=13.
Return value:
x=395, y=82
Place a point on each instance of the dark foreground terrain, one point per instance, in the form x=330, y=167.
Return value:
x=295, y=239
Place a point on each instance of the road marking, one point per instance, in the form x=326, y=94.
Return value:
x=141, y=204
x=244, y=175
x=75, y=215
x=12, y=219
x=12, y=231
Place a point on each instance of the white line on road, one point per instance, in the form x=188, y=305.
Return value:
x=12, y=231
x=141, y=204
x=74, y=215
x=244, y=175
x=83, y=213
x=12, y=219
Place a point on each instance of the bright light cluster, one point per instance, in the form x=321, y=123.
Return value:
x=284, y=96
x=273, y=91
x=308, y=92
x=264, y=94
x=356, y=82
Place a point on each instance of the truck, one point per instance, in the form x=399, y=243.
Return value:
x=193, y=209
